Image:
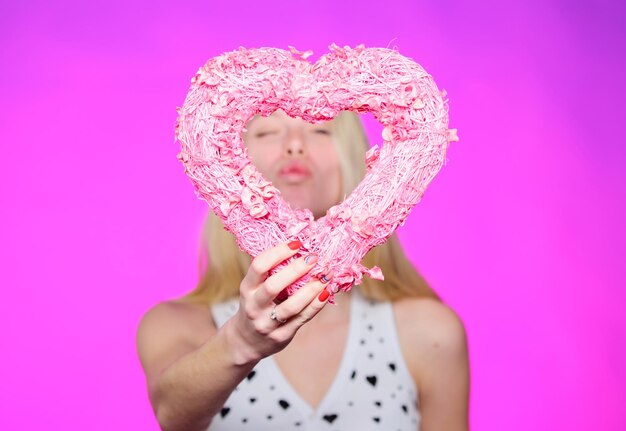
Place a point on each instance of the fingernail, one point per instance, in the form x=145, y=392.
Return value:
x=323, y=296
x=310, y=259
x=325, y=278
x=294, y=245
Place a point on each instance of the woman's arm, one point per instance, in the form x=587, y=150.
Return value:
x=188, y=379
x=191, y=368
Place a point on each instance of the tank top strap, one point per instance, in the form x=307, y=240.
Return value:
x=222, y=311
x=379, y=343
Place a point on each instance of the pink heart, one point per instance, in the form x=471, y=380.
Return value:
x=230, y=89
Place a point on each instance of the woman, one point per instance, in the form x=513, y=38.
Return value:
x=387, y=355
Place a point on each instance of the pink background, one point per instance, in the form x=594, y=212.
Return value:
x=522, y=232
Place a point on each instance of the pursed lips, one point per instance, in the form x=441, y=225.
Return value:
x=294, y=172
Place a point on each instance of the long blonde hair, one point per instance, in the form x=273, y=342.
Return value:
x=223, y=265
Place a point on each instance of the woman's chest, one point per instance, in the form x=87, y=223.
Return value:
x=311, y=362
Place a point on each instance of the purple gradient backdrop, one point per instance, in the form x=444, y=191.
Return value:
x=522, y=232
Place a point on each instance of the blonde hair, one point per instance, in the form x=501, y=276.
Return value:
x=223, y=265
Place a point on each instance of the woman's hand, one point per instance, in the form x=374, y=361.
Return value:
x=253, y=331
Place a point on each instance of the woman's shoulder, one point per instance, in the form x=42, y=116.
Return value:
x=176, y=320
x=177, y=314
x=170, y=329
x=431, y=334
x=427, y=315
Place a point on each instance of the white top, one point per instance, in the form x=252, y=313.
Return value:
x=373, y=389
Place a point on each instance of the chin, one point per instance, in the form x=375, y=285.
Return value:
x=317, y=212
x=300, y=200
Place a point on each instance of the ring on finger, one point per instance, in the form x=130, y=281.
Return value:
x=273, y=316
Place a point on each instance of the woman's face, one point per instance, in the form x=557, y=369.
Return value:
x=299, y=158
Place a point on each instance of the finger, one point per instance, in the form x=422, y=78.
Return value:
x=273, y=285
x=297, y=302
x=283, y=295
x=268, y=259
x=309, y=312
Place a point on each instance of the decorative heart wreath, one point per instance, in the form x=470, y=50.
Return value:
x=231, y=88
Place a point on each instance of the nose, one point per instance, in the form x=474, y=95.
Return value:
x=294, y=146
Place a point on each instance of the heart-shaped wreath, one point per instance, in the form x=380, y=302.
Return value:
x=231, y=88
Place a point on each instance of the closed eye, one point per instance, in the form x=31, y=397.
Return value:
x=265, y=133
x=322, y=131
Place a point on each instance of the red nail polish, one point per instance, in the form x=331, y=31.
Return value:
x=283, y=295
x=324, y=295
x=294, y=245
